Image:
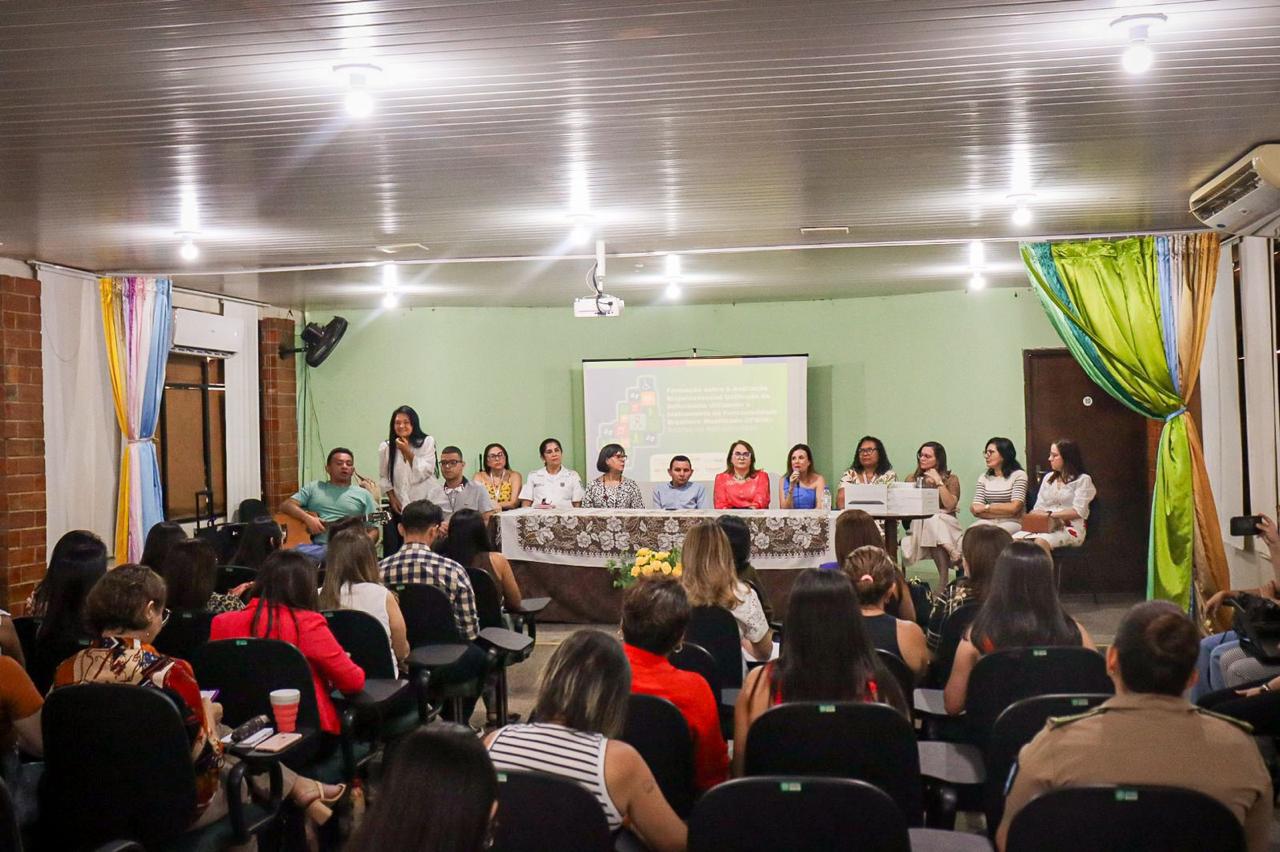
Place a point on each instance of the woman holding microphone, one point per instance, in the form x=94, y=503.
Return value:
x=406, y=470
x=800, y=487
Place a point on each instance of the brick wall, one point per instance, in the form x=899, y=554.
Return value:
x=22, y=515
x=279, y=383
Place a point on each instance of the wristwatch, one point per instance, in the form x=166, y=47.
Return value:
x=1266, y=687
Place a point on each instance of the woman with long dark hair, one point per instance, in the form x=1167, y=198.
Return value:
x=1063, y=500
x=1001, y=494
x=468, y=544
x=499, y=479
x=440, y=794
x=285, y=607
x=261, y=537
x=1021, y=610
x=827, y=657
x=79, y=560
x=190, y=574
x=160, y=538
x=936, y=537
x=870, y=466
x=406, y=469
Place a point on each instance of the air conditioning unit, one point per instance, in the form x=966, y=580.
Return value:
x=1245, y=198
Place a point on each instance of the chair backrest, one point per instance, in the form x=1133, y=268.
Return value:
x=716, y=630
x=26, y=626
x=537, y=812
x=692, y=657
x=230, y=576
x=117, y=765
x=658, y=730
x=47, y=655
x=1003, y=677
x=10, y=831
x=1016, y=727
x=428, y=614
x=952, y=631
x=900, y=671
x=1168, y=819
x=488, y=598
x=867, y=741
x=187, y=630
x=797, y=813
x=363, y=637
x=246, y=670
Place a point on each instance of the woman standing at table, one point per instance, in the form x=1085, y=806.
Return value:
x=870, y=466
x=406, y=469
x=1002, y=491
x=502, y=483
x=800, y=486
x=936, y=537
x=552, y=486
x=612, y=490
x=1064, y=497
x=741, y=486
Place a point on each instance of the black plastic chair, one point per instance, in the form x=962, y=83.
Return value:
x=867, y=741
x=691, y=657
x=230, y=576
x=186, y=630
x=1003, y=677
x=1132, y=818
x=800, y=814
x=488, y=598
x=953, y=630
x=537, y=812
x=363, y=638
x=27, y=626
x=1016, y=727
x=429, y=622
x=716, y=630
x=658, y=730
x=386, y=701
x=103, y=744
x=899, y=671
x=47, y=655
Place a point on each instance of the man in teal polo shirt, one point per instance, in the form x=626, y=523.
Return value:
x=320, y=503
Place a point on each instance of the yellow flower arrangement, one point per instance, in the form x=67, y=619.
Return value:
x=646, y=561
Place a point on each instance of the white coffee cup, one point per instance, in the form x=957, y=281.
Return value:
x=285, y=696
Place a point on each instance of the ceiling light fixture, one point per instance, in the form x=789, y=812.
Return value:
x=391, y=301
x=1138, y=57
x=583, y=227
x=390, y=285
x=977, y=255
x=977, y=282
x=357, y=76
x=1022, y=215
x=189, y=251
x=671, y=265
x=673, y=290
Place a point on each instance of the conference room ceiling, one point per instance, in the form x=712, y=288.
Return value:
x=694, y=124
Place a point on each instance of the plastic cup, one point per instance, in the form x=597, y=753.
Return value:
x=284, y=706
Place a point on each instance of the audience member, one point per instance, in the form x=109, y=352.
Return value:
x=406, y=469
x=552, y=486
x=440, y=794
x=502, y=483
x=320, y=502
x=981, y=548
x=468, y=544
x=740, y=485
x=126, y=609
x=709, y=580
x=1002, y=489
x=655, y=611
x=249, y=510
x=79, y=560
x=680, y=493
x=456, y=491
x=10, y=643
x=190, y=574
x=1148, y=733
x=740, y=543
x=1021, y=610
x=352, y=581
x=581, y=705
x=284, y=607
x=20, y=705
x=160, y=538
x=875, y=579
x=1063, y=499
x=936, y=537
x=827, y=656
x=801, y=486
x=854, y=528
x=870, y=466
x=260, y=538
x=612, y=490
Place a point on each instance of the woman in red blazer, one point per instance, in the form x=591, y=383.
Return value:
x=284, y=608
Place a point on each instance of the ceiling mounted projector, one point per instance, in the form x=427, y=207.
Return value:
x=318, y=341
x=597, y=306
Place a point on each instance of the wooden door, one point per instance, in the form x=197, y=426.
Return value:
x=1063, y=402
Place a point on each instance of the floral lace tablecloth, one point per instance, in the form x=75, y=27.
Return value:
x=779, y=538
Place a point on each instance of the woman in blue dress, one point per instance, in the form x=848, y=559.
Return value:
x=800, y=486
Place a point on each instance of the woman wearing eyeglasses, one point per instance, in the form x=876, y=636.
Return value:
x=741, y=486
x=870, y=466
x=1001, y=495
x=612, y=490
x=502, y=482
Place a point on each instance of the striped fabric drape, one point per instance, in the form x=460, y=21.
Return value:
x=1135, y=313
x=137, y=321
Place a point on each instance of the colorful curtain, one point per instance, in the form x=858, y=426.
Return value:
x=1135, y=313
x=137, y=319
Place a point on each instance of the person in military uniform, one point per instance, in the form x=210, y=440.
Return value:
x=1149, y=733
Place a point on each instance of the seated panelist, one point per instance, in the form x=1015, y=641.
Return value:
x=612, y=490
x=801, y=485
x=1063, y=500
x=741, y=486
x=552, y=486
x=680, y=493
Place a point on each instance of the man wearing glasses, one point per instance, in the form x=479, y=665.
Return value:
x=458, y=492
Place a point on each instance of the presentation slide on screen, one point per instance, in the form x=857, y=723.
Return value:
x=658, y=408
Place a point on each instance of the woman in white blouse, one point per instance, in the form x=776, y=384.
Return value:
x=406, y=470
x=1001, y=495
x=709, y=579
x=552, y=486
x=1065, y=494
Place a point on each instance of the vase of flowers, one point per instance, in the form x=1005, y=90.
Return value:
x=646, y=561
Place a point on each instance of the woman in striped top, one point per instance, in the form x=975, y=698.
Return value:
x=581, y=706
x=1001, y=494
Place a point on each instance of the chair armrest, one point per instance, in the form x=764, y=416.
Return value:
x=530, y=606
x=347, y=718
x=505, y=641
x=242, y=829
x=372, y=701
x=928, y=702
x=960, y=764
x=421, y=678
x=436, y=656
x=729, y=697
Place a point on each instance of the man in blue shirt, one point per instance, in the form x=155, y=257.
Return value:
x=680, y=493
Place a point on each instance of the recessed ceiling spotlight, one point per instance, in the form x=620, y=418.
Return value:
x=391, y=301
x=1138, y=57
x=188, y=251
x=977, y=255
x=357, y=76
x=673, y=290
x=583, y=226
x=1022, y=215
x=671, y=265
x=977, y=282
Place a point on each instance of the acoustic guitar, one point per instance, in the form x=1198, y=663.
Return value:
x=295, y=531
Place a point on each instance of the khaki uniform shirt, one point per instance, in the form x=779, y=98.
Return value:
x=1146, y=739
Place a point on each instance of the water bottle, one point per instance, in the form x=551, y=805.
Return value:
x=826, y=499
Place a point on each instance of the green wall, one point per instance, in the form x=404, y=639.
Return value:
x=906, y=368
